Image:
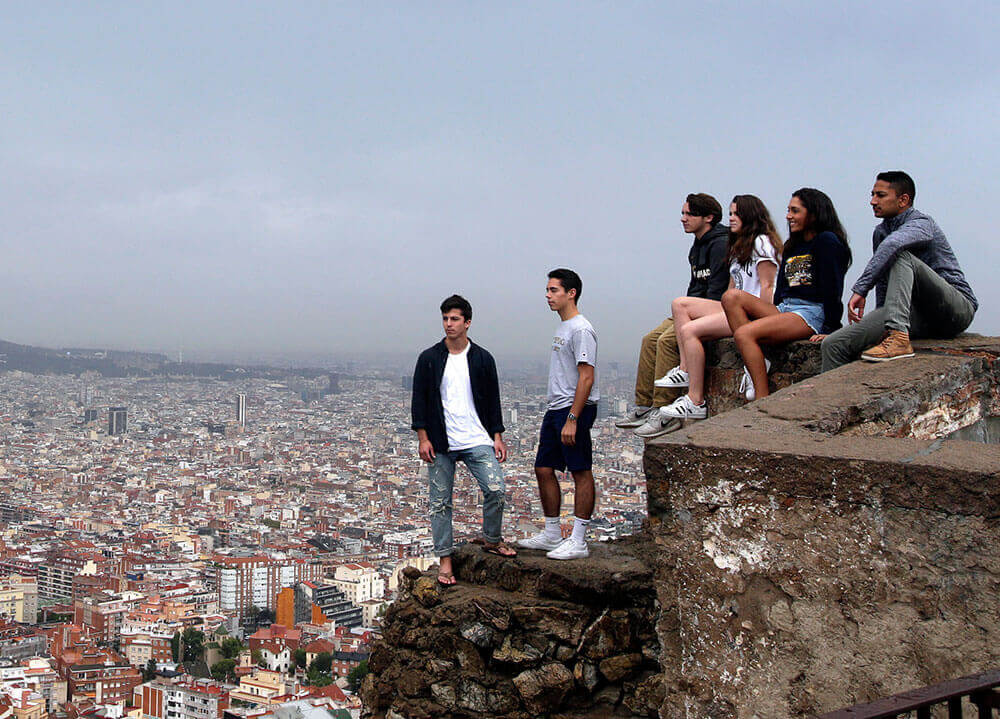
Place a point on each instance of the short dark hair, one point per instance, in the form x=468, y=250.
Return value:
x=457, y=302
x=569, y=281
x=900, y=182
x=703, y=205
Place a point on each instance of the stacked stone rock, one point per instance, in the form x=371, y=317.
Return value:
x=521, y=638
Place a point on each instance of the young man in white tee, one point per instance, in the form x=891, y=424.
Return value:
x=456, y=414
x=564, y=440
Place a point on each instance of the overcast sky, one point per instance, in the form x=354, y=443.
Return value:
x=315, y=177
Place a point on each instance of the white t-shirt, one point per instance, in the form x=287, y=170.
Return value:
x=745, y=277
x=575, y=343
x=460, y=419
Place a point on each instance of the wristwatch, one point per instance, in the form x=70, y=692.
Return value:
x=571, y=417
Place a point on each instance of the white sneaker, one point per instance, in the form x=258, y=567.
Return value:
x=657, y=424
x=539, y=541
x=674, y=378
x=684, y=408
x=746, y=384
x=634, y=418
x=569, y=549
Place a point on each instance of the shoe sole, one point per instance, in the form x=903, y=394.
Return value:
x=673, y=385
x=630, y=425
x=540, y=549
x=575, y=556
x=868, y=358
x=671, y=426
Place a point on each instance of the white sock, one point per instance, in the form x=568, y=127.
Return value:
x=552, y=528
x=580, y=529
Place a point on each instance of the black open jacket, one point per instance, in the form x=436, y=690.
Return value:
x=427, y=410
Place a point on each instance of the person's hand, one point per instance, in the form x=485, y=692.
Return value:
x=500, y=448
x=855, y=308
x=426, y=450
x=569, y=433
x=817, y=338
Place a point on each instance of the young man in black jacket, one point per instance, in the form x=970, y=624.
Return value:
x=456, y=414
x=701, y=216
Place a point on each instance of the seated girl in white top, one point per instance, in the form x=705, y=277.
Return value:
x=754, y=253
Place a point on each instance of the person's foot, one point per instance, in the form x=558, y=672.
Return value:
x=539, y=541
x=895, y=345
x=658, y=424
x=446, y=579
x=634, y=418
x=684, y=408
x=569, y=549
x=746, y=384
x=674, y=378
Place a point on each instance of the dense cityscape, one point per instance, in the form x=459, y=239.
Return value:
x=185, y=547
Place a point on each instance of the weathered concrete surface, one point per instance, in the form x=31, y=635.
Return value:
x=812, y=556
x=528, y=637
x=790, y=363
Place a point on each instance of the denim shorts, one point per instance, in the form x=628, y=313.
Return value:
x=553, y=453
x=811, y=312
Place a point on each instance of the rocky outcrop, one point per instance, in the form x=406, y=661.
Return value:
x=526, y=637
x=817, y=548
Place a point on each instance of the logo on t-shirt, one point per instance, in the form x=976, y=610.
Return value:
x=798, y=270
x=557, y=343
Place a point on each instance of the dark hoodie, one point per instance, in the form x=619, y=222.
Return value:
x=709, y=260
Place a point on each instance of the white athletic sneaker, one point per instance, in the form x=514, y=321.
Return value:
x=746, y=384
x=684, y=408
x=569, y=549
x=657, y=424
x=539, y=541
x=674, y=378
x=634, y=418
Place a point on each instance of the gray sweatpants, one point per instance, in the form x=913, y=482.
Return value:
x=917, y=301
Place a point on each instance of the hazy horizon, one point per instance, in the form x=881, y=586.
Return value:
x=240, y=179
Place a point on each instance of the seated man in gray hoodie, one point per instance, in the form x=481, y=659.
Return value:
x=919, y=287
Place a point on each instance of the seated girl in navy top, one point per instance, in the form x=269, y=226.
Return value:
x=808, y=294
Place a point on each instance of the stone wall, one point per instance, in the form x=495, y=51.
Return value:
x=521, y=639
x=806, y=562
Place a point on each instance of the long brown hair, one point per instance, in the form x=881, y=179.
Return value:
x=756, y=221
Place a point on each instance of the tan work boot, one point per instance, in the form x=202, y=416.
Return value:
x=895, y=345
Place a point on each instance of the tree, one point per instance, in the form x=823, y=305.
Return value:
x=265, y=617
x=150, y=671
x=257, y=656
x=323, y=662
x=230, y=647
x=272, y=523
x=224, y=669
x=299, y=655
x=194, y=644
x=357, y=675
x=317, y=678
x=175, y=646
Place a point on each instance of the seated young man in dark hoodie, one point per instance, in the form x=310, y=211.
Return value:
x=708, y=258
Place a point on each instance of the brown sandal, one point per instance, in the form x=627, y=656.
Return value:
x=447, y=579
x=500, y=549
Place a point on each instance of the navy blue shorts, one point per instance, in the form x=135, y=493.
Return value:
x=553, y=453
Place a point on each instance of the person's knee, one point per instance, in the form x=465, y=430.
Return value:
x=440, y=506
x=731, y=299
x=677, y=306
x=743, y=335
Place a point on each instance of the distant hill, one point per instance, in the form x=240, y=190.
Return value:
x=114, y=363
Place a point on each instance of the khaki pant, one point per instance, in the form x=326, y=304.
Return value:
x=657, y=355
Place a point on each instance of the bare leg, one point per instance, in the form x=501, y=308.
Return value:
x=548, y=491
x=686, y=309
x=742, y=307
x=691, y=339
x=583, y=503
x=775, y=329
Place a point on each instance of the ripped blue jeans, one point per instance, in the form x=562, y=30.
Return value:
x=482, y=463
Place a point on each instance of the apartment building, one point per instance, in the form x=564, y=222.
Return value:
x=246, y=582
x=183, y=699
x=55, y=575
x=19, y=598
x=359, y=582
x=104, y=614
